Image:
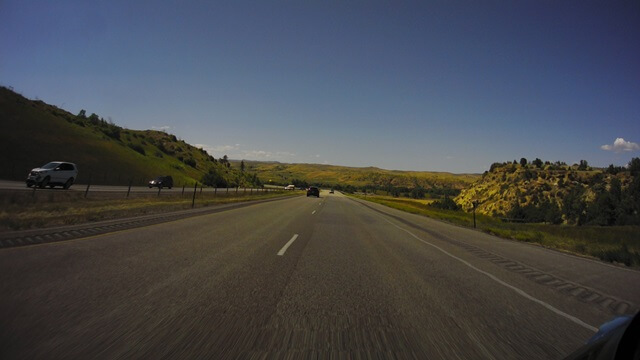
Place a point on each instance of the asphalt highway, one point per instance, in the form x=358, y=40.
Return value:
x=303, y=278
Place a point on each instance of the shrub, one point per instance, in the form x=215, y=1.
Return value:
x=213, y=178
x=190, y=161
x=495, y=166
x=446, y=204
x=418, y=193
x=137, y=148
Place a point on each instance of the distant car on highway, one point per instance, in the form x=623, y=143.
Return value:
x=313, y=191
x=55, y=173
x=331, y=191
x=290, y=187
x=161, y=182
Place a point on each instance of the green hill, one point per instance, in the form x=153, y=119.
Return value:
x=33, y=133
x=341, y=176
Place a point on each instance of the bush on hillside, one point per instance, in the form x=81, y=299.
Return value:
x=213, y=178
x=418, y=193
x=137, y=148
x=446, y=204
x=190, y=161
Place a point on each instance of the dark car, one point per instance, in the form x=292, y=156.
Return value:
x=161, y=181
x=313, y=191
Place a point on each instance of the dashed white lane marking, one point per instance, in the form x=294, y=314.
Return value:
x=494, y=278
x=286, y=246
x=313, y=212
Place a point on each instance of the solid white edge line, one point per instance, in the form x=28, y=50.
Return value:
x=286, y=246
x=494, y=278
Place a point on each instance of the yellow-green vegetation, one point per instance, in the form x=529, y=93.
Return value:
x=617, y=244
x=342, y=176
x=33, y=133
x=509, y=185
x=21, y=210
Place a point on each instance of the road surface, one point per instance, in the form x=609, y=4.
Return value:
x=303, y=278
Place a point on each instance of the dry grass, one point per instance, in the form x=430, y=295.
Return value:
x=26, y=210
x=616, y=244
x=356, y=176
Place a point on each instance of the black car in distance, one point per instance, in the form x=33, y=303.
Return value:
x=161, y=181
x=313, y=191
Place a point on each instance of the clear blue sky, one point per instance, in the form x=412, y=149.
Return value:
x=441, y=85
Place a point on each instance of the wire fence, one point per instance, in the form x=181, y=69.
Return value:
x=14, y=193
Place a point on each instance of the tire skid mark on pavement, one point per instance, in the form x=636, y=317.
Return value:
x=583, y=293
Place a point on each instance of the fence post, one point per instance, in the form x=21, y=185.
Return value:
x=182, y=190
x=88, y=185
x=475, y=204
x=200, y=189
x=193, y=201
x=251, y=191
x=215, y=191
x=129, y=190
x=159, y=188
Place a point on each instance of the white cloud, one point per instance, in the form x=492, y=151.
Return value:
x=161, y=128
x=209, y=149
x=621, y=145
x=236, y=152
x=256, y=154
x=219, y=149
x=266, y=155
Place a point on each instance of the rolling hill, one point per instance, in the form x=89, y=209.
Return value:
x=557, y=193
x=333, y=175
x=33, y=133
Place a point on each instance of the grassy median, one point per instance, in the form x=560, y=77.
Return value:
x=615, y=244
x=27, y=210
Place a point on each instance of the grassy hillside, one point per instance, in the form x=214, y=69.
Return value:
x=33, y=133
x=332, y=175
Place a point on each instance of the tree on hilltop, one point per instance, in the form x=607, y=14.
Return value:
x=634, y=166
x=537, y=163
x=584, y=165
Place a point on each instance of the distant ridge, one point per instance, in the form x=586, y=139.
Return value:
x=332, y=175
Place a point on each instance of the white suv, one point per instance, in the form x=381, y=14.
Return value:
x=54, y=173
